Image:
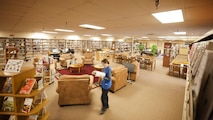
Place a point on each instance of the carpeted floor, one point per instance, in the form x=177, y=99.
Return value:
x=154, y=96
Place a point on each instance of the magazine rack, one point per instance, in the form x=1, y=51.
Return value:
x=17, y=80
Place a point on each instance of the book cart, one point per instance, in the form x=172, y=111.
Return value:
x=15, y=109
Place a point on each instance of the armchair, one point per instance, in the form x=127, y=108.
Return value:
x=88, y=58
x=119, y=78
x=65, y=59
x=74, y=89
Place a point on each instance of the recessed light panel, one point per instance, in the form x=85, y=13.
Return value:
x=173, y=16
x=106, y=35
x=50, y=32
x=92, y=26
x=64, y=30
x=180, y=33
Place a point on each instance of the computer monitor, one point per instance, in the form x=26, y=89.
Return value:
x=55, y=50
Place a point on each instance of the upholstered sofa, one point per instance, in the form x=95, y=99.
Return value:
x=88, y=58
x=119, y=77
x=74, y=89
x=65, y=59
x=134, y=75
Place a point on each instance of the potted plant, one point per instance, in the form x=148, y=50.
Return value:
x=141, y=47
x=154, y=50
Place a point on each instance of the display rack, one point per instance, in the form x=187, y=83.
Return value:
x=17, y=80
x=198, y=100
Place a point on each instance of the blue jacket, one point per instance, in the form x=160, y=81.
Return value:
x=107, y=80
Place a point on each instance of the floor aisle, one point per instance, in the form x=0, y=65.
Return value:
x=154, y=96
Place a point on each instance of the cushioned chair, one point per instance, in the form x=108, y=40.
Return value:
x=74, y=89
x=134, y=75
x=65, y=58
x=88, y=58
x=119, y=78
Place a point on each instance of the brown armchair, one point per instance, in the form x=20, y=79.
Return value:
x=88, y=58
x=134, y=75
x=74, y=89
x=64, y=58
x=119, y=77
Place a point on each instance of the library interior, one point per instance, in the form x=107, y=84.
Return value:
x=106, y=60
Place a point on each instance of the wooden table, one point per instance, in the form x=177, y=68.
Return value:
x=76, y=66
x=182, y=61
x=98, y=67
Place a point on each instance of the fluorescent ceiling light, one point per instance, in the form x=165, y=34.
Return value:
x=88, y=35
x=144, y=37
x=106, y=35
x=92, y=26
x=51, y=32
x=64, y=30
x=173, y=16
x=179, y=33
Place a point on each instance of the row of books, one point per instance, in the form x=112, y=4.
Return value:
x=27, y=87
x=37, y=116
x=29, y=103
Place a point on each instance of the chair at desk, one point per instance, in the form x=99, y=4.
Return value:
x=176, y=69
x=148, y=64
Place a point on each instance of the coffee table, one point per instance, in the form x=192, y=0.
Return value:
x=76, y=66
x=98, y=67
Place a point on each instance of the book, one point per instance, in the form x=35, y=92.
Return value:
x=38, y=98
x=33, y=117
x=7, y=88
x=40, y=84
x=8, y=104
x=27, y=105
x=99, y=74
x=12, y=117
x=28, y=85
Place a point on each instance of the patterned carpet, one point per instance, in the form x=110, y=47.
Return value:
x=86, y=69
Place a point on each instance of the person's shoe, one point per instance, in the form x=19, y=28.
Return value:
x=103, y=110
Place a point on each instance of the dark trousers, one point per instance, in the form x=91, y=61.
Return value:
x=104, y=98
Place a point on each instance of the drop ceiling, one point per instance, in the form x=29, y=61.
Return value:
x=121, y=18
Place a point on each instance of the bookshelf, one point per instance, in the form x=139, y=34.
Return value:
x=198, y=100
x=2, y=52
x=17, y=80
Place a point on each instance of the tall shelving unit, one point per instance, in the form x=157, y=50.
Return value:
x=19, y=44
x=198, y=99
x=2, y=52
x=37, y=47
x=29, y=48
x=17, y=80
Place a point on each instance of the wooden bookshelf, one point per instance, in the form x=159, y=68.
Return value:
x=18, y=99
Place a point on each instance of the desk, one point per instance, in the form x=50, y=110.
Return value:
x=152, y=61
x=76, y=66
x=55, y=55
x=182, y=61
